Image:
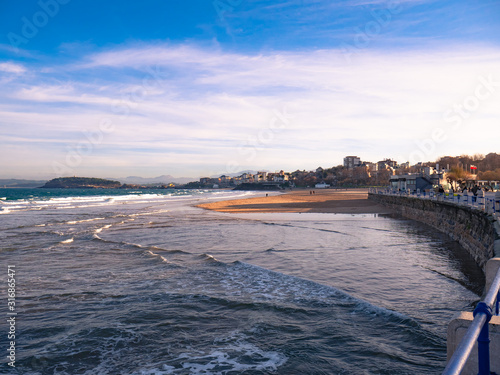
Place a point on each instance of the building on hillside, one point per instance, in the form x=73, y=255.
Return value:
x=405, y=165
x=280, y=177
x=260, y=177
x=372, y=167
x=412, y=182
x=247, y=178
x=387, y=164
x=225, y=179
x=352, y=162
x=205, y=180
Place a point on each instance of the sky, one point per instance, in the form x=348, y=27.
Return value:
x=199, y=88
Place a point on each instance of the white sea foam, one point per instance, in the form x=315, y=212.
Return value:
x=69, y=240
x=84, y=221
x=230, y=353
x=60, y=203
x=99, y=230
x=163, y=259
x=260, y=284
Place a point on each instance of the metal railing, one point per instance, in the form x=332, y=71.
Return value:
x=489, y=204
x=478, y=330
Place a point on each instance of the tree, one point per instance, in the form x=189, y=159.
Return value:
x=458, y=174
x=490, y=175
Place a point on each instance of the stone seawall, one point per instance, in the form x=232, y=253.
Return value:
x=476, y=231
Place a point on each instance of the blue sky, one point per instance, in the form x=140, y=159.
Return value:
x=196, y=88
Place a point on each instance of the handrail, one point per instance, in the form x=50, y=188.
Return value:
x=478, y=330
x=479, y=327
x=482, y=203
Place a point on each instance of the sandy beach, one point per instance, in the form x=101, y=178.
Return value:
x=352, y=201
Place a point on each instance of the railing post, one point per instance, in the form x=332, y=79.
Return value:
x=497, y=304
x=466, y=197
x=481, y=200
x=483, y=341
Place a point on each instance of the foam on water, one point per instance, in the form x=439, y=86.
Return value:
x=158, y=256
x=99, y=230
x=231, y=358
x=43, y=199
x=72, y=222
x=5, y=210
x=231, y=354
x=259, y=283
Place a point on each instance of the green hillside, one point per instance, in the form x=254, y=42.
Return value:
x=81, y=183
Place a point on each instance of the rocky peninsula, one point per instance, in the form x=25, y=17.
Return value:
x=81, y=183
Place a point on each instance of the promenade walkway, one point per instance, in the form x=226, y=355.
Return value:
x=488, y=202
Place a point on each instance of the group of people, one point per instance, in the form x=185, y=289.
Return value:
x=474, y=190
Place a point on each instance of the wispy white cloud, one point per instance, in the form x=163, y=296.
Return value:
x=188, y=110
x=10, y=67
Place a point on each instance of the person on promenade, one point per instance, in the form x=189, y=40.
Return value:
x=474, y=190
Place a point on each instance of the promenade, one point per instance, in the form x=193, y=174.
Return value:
x=484, y=201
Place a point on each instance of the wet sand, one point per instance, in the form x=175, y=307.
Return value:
x=352, y=201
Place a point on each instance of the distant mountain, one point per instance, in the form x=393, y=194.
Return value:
x=20, y=183
x=165, y=179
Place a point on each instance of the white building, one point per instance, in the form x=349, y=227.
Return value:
x=322, y=185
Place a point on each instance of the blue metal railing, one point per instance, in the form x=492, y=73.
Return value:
x=484, y=203
x=478, y=330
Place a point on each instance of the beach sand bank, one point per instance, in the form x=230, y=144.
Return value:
x=352, y=201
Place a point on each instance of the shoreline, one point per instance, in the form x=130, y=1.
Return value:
x=350, y=201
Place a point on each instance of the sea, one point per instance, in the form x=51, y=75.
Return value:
x=143, y=282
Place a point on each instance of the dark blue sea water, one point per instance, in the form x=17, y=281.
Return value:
x=146, y=283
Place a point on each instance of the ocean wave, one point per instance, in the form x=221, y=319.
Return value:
x=72, y=222
x=261, y=284
x=47, y=202
x=158, y=256
x=209, y=258
x=170, y=251
x=99, y=230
